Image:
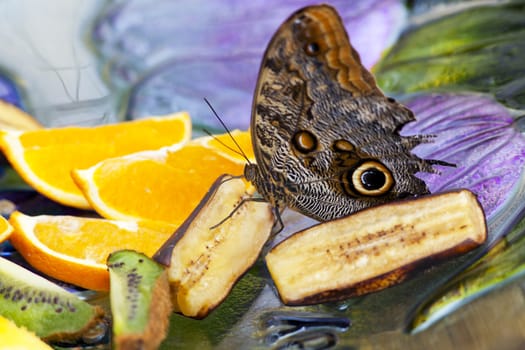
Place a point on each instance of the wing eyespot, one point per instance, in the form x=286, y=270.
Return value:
x=343, y=146
x=369, y=178
x=304, y=141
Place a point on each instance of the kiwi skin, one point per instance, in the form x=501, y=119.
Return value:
x=43, y=307
x=140, y=300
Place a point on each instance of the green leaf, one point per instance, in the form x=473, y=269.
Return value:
x=477, y=49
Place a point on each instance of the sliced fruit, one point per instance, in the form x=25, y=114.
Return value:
x=375, y=248
x=75, y=249
x=172, y=182
x=206, y=260
x=140, y=300
x=5, y=229
x=224, y=145
x=13, y=118
x=18, y=338
x=44, y=158
x=42, y=307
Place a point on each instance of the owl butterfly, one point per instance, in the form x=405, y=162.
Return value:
x=326, y=139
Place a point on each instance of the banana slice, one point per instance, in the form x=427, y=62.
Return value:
x=375, y=248
x=208, y=254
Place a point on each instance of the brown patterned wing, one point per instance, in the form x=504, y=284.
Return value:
x=325, y=137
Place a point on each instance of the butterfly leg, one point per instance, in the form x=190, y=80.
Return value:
x=278, y=224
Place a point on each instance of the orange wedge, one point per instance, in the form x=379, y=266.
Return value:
x=5, y=229
x=13, y=118
x=75, y=249
x=13, y=337
x=161, y=185
x=44, y=158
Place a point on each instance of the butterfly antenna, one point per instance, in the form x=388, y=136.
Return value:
x=239, y=149
x=224, y=144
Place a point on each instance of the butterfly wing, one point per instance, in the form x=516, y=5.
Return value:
x=325, y=137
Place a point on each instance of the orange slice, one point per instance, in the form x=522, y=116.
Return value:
x=5, y=229
x=44, y=158
x=18, y=338
x=161, y=185
x=75, y=249
x=13, y=118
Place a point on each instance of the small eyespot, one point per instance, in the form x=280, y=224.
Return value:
x=372, y=178
x=304, y=141
x=312, y=49
x=343, y=146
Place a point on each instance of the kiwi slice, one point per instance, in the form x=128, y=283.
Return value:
x=140, y=300
x=44, y=308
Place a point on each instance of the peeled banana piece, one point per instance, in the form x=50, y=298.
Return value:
x=374, y=248
x=214, y=247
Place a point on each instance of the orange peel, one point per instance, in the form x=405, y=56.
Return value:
x=75, y=249
x=44, y=158
x=5, y=229
x=13, y=118
x=165, y=184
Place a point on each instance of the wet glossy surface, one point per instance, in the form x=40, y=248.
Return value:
x=130, y=68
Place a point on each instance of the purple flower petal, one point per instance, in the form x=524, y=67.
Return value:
x=180, y=52
x=478, y=135
x=9, y=92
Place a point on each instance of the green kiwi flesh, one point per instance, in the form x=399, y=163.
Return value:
x=43, y=307
x=140, y=300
